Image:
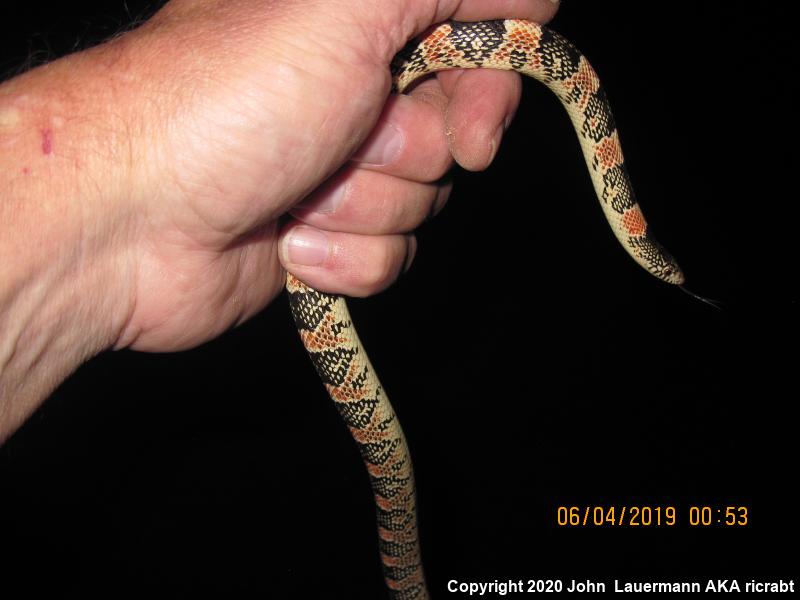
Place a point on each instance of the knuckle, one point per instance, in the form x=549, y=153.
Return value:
x=403, y=209
x=440, y=163
x=381, y=269
x=390, y=212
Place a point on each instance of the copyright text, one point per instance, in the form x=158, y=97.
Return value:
x=520, y=586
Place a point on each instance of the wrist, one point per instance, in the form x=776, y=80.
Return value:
x=65, y=226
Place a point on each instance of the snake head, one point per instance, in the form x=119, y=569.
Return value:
x=665, y=267
x=646, y=251
x=671, y=273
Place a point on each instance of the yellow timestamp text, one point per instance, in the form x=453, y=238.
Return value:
x=652, y=516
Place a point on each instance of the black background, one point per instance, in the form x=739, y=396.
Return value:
x=532, y=363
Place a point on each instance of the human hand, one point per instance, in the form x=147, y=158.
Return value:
x=158, y=187
x=267, y=104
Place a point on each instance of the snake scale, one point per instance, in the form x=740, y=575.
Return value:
x=324, y=322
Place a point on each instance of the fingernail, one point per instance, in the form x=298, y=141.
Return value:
x=383, y=147
x=326, y=200
x=494, y=144
x=445, y=187
x=306, y=246
x=411, y=251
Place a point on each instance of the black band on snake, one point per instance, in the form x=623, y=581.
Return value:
x=324, y=322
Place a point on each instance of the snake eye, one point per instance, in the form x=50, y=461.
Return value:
x=668, y=271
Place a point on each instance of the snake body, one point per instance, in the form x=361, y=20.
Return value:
x=324, y=322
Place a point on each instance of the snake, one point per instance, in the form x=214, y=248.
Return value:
x=323, y=320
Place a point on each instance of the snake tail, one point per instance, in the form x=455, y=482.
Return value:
x=324, y=321
x=327, y=332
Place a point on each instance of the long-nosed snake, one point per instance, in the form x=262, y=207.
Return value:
x=324, y=322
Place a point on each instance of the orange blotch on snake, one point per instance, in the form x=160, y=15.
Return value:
x=608, y=152
x=47, y=141
x=384, y=503
x=434, y=43
x=522, y=40
x=391, y=561
x=634, y=221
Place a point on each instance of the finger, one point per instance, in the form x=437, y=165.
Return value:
x=371, y=203
x=482, y=105
x=408, y=142
x=345, y=263
x=540, y=11
x=430, y=91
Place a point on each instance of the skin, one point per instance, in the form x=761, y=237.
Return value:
x=157, y=188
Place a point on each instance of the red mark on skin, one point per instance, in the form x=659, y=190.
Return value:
x=47, y=141
x=26, y=170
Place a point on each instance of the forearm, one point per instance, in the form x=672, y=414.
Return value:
x=64, y=164
x=86, y=178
